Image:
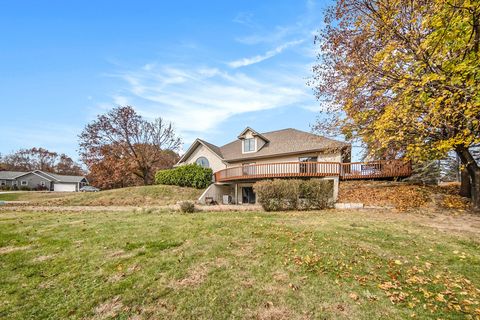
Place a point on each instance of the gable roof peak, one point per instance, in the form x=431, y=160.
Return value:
x=195, y=144
x=255, y=133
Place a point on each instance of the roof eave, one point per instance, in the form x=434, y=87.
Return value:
x=192, y=148
x=283, y=154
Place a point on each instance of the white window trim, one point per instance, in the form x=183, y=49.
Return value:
x=22, y=183
x=208, y=161
x=254, y=143
x=3, y=182
x=43, y=184
x=14, y=183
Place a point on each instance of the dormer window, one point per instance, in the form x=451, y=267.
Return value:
x=249, y=145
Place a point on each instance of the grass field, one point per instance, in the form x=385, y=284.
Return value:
x=248, y=265
x=132, y=196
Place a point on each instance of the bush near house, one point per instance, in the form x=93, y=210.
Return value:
x=315, y=194
x=280, y=195
x=190, y=175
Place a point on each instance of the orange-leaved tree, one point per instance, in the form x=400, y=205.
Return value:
x=121, y=148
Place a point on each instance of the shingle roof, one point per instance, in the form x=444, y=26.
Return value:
x=10, y=175
x=213, y=147
x=286, y=141
x=282, y=142
x=67, y=179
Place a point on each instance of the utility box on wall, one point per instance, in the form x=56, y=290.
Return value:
x=227, y=199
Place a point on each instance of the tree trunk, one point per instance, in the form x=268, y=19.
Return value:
x=465, y=186
x=474, y=172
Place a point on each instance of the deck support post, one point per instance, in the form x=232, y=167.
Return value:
x=236, y=194
x=336, y=182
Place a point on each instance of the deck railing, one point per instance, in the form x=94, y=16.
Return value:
x=345, y=171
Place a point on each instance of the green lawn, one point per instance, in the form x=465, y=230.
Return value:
x=253, y=265
x=132, y=196
x=9, y=196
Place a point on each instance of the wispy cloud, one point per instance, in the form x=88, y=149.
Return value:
x=309, y=20
x=245, y=18
x=199, y=96
x=259, y=58
x=197, y=99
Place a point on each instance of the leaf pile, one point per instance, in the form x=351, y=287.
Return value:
x=402, y=196
x=454, y=202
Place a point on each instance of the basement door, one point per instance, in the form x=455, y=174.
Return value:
x=248, y=196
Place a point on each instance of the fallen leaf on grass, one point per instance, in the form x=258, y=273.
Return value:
x=353, y=296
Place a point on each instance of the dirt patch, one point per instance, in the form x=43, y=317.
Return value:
x=9, y=249
x=230, y=207
x=108, y=309
x=41, y=208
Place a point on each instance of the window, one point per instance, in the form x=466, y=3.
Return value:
x=3, y=183
x=203, y=162
x=308, y=166
x=14, y=183
x=24, y=183
x=42, y=183
x=249, y=145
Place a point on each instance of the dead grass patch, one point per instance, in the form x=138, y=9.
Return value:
x=9, y=249
x=108, y=309
x=121, y=254
x=161, y=309
x=195, y=276
x=280, y=276
x=43, y=258
x=270, y=312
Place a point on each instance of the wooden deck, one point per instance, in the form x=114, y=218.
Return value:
x=345, y=171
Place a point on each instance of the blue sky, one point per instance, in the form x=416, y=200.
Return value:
x=210, y=67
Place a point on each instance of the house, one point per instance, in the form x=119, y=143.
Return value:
x=287, y=153
x=253, y=156
x=40, y=180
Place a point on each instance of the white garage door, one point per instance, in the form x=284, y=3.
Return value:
x=64, y=187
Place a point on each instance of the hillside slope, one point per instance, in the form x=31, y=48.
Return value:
x=132, y=196
x=402, y=195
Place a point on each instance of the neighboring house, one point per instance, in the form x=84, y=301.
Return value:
x=38, y=179
x=287, y=153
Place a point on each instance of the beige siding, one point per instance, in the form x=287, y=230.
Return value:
x=322, y=157
x=216, y=192
x=216, y=163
